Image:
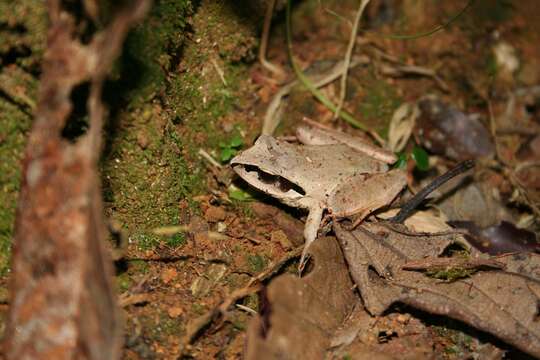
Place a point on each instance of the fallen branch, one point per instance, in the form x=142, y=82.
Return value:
x=61, y=295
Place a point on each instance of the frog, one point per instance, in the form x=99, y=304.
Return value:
x=328, y=173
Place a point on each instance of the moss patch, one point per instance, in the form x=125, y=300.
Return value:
x=23, y=31
x=189, y=84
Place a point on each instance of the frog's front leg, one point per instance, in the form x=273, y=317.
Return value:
x=362, y=194
x=313, y=222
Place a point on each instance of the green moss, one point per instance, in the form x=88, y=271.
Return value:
x=169, y=326
x=198, y=309
x=378, y=104
x=168, y=112
x=450, y=274
x=256, y=263
x=252, y=301
x=23, y=38
x=23, y=32
x=13, y=124
x=239, y=323
x=123, y=282
x=458, y=342
x=147, y=184
x=491, y=66
x=139, y=266
x=176, y=240
x=159, y=326
x=153, y=48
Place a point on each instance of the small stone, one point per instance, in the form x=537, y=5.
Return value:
x=215, y=214
x=175, y=311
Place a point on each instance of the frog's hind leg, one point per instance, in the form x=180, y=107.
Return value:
x=313, y=223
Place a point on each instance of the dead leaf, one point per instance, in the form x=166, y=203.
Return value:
x=304, y=312
x=452, y=262
x=477, y=202
x=498, y=239
x=401, y=126
x=504, y=303
x=445, y=130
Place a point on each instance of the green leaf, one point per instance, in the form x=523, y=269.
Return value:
x=401, y=162
x=239, y=195
x=236, y=141
x=421, y=158
x=227, y=154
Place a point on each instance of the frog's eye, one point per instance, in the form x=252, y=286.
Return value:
x=273, y=184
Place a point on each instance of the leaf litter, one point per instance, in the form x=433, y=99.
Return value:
x=351, y=304
x=425, y=264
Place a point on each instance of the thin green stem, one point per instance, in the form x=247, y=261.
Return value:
x=309, y=85
x=432, y=31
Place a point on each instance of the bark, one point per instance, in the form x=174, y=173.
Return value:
x=62, y=303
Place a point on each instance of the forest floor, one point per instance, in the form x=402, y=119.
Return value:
x=194, y=233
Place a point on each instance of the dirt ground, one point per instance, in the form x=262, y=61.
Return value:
x=192, y=235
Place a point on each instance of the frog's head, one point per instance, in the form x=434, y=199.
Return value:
x=267, y=165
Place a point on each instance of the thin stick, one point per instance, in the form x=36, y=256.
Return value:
x=305, y=81
x=209, y=158
x=413, y=203
x=253, y=285
x=271, y=116
x=348, y=56
x=432, y=31
x=276, y=70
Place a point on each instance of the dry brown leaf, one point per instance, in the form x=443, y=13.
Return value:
x=304, y=312
x=504, y=303
x=401, y=126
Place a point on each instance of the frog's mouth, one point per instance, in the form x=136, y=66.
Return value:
x=274, y=185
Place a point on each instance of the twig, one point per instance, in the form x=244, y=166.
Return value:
x=400, y=229
x=209, y=158
x=414, y=70
x=271, y=118
x=305, y=81
x=219, y=71
x=434, y=30
x=175, y=229
x=348, y=55
x=246, y=309
x=276, y=70
x=132, y=299
x=333, y=13
x=252, y=286
x=413, y=203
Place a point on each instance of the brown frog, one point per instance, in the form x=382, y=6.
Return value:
x=332, y=176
